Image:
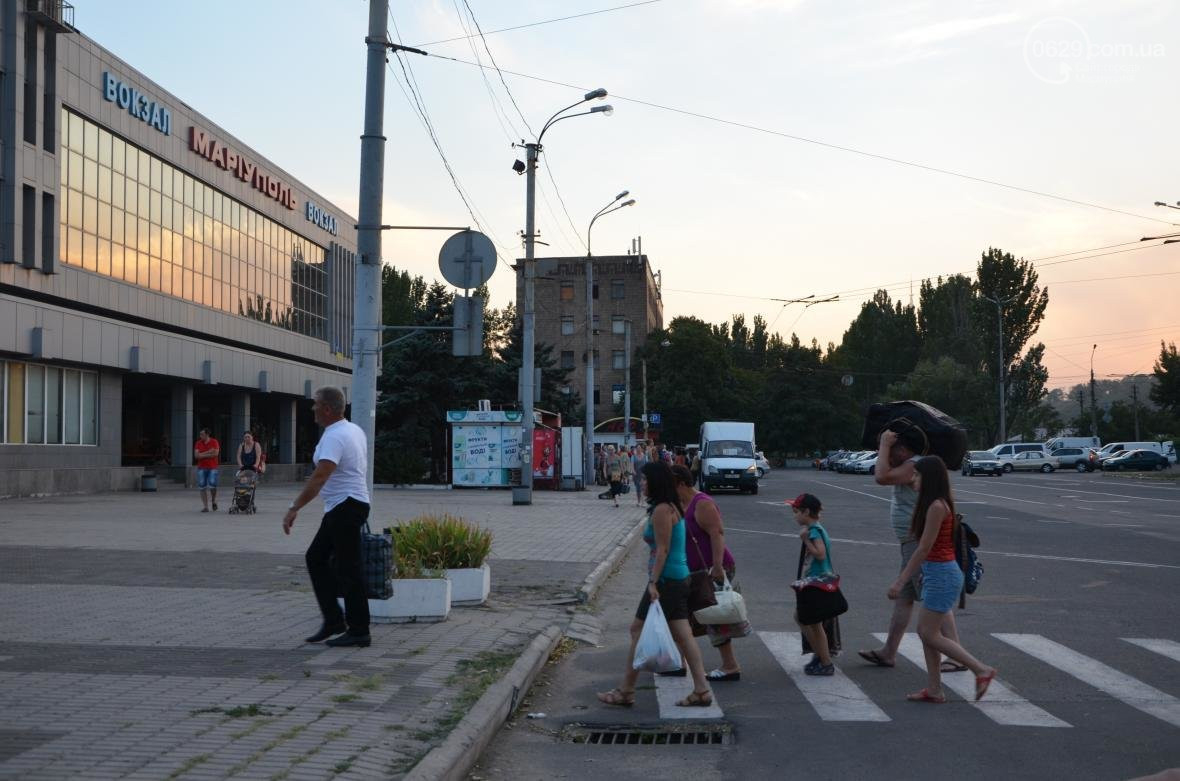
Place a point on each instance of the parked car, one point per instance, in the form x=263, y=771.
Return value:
x=865, y=466
x=761, y=462
x=982, y=462
x=1075, y=458
x=1031, y=461
x=1006, y=452
x=849, y=464
x=1057, y=443
x=1136, y=459
x=1112, y=449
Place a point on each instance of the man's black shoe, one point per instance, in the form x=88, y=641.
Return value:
x=326, y=631
x=361, y=641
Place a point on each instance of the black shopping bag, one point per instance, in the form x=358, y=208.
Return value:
x=376, y=565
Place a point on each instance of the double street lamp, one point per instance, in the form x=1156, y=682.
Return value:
x=523, y=494
x=588, y=434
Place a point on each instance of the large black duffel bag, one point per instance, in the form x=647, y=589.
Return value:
x=942, y=435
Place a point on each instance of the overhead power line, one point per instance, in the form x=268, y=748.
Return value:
x=544, y=21
x=830, y=145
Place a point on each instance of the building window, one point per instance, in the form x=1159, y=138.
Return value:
x=618, y=359
x=597, y=400
x=567, y=291
x=567, y=325
x=46, y=405
x=618, y=324
x=132, y=216
x=567, y=359
x=594, y=292
x=618, y=289
x=616, y=395
x=597, y=323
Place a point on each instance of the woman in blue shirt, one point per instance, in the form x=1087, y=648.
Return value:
x=667, y=581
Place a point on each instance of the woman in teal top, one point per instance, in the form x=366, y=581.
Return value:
x=667, y=581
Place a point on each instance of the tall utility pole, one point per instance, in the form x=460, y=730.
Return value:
x=588, y=470
x=999, y=302
x=523, y=494
x=1093, y=397
x=1135, y=396
x=627, y=386
x=366, y=340
x=643, y=363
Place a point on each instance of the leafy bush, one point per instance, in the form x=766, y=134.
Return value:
x=437, y=542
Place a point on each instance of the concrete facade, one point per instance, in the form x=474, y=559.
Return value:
x=147, y=336
x=627, y=292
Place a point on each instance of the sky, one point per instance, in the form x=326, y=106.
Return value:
x=752, y=134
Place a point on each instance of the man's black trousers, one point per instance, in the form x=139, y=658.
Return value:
x=339, y=536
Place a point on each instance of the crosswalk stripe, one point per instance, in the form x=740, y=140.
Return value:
x=1168, y=648
x=1122, y=687
x=836, y=698
x=1001, y=704
x=671, y=689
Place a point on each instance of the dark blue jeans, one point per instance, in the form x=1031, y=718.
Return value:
x=338, y=542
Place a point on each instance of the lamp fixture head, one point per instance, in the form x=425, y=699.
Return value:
x=597, y=94
x=519, y=167
x=622, y=195
x=627, y=203
x=608, y=109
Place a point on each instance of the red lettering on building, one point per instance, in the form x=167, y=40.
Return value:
x=224, y=157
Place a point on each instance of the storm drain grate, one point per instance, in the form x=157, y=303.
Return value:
x=712, y=734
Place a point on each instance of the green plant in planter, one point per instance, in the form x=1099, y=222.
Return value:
x=428, y=544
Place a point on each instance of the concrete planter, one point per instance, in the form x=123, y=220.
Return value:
x=425, y=599
x=470, y=586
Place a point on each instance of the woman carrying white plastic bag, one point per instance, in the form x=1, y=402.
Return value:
x=667, y=586
x=656, y=650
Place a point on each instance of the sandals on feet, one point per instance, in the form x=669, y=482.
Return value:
x=872, y=657
x=926, y=696
x=617, y=697
x=951, y=666
x=696, y=700
x=721, y=675
x=981, y=684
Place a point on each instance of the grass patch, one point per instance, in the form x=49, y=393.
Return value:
x=335, y=734
x=345, y=697
x=188, y=765
x=252, y=728
x=269, y=677
x=564, y=648
x=344, y=765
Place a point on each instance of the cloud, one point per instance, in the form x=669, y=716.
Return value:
x=956, y=28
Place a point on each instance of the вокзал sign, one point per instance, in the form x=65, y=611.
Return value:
x=221, y=155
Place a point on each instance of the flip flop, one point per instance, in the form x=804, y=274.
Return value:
x=951, y=666
x=617, y=697
x=696, y=700
x=981, y=684
x=926, y=696
x=872, y=657
x=721, y=675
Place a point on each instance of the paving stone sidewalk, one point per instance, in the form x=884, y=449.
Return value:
x=143, y=639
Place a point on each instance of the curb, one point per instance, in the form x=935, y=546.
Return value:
x=459, y=752
x=598, y=576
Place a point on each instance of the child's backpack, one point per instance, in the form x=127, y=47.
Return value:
x=965, y=547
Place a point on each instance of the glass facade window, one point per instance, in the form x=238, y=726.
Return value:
x=567, y=325
x=567, y=359
x=47, y=405
x=618, y=359
x=132, y=216
x=618, y=324
x=618, y=289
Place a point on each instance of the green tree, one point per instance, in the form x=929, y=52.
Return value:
x=880, y=346
x=690, y=380
x=1166, y=390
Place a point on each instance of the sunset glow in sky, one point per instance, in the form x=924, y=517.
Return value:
x=718, y=105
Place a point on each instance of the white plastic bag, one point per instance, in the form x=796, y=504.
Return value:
x=730, y=608
x=656, y=651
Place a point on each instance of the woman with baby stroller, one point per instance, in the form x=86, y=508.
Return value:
x=251, y=465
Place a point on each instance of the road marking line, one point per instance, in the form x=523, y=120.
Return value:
x=671, y=689
x=1032, y=484
x=990, y=552
x=1168, y=648
x=854, y=491
x=836, y=698
x=996, y=517
x=1001, y=705
x=1046, y=520
x=1119, y=685
x=997, y=496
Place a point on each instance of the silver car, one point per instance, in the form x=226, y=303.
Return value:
x=1031, y=461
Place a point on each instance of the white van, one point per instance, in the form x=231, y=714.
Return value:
x=1083, y=442
x=1005, y=453
x=1114, y=448
x=727, y=456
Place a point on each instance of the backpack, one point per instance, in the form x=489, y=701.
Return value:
x=965, y=546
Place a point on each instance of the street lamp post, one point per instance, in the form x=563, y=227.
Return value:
x=588, y=435
x=523, y=494
x=999, y=302
x=1093, y=401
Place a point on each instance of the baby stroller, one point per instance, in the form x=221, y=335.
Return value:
x=245, y=484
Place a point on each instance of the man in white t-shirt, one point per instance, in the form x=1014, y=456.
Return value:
x=341, y=476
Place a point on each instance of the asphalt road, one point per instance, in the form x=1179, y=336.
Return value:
x=1077, y=566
